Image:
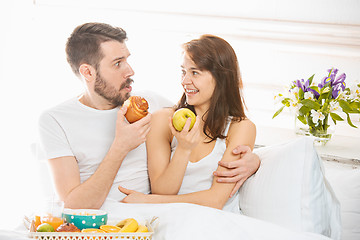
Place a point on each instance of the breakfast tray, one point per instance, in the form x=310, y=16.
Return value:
x=94, y=236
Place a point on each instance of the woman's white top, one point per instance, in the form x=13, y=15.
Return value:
x=199, y=175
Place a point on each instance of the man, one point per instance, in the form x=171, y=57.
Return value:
x=90, y=147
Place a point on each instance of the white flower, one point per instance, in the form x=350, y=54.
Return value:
x=354, y=92
x=294, y=95
x=357, y=91
x=341, y=96
x=309, y=95
x=316, y=116
x=295, y=89
x=351, y=97
x=334, y=106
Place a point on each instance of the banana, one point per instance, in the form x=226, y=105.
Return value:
x=128, y=225
x=142, y=228
x=121, y=223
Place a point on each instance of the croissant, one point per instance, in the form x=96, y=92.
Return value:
x=137, y=108
x=67, y=227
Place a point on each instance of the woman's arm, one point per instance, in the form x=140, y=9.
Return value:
x=166, y=176
x=240, y=133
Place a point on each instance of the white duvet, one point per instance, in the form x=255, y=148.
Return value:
x=190, y=221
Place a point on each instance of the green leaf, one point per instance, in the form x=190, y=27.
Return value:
x=278, y=111
x=349, y=121
x=336, y=117
x=346, y=106
x=309, y=121
x=304, y=110
x=311, y=78
x=310, y=104
x=324, y=95
x=301, y=93
x=302, y=119
x=316, y=88
x=333, y=120
x=355, y=105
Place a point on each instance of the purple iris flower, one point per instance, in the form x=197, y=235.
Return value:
x=302, y=84
x=316, y=94
x=336, y=91
x=329, y=78
x=340, y=81
x=305, y=86
x=324, y=81
x=337, y=84
x=333, y=72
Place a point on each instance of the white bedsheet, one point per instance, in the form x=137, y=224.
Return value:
x=189, y=221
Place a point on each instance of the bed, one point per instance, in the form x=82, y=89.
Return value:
x=288, y=198
x=189, y=221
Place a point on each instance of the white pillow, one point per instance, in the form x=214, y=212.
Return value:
x=345, y=180
x=289, y=189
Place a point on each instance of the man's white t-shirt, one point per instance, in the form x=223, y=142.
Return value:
x=73, y=129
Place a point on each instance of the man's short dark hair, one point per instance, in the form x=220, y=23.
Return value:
x=83, y=46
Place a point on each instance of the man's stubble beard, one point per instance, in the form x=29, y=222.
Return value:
x=108, y=92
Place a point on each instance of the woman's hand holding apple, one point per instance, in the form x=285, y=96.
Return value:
x=180, y=116
x=187, y=139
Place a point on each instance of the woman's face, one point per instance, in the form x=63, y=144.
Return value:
x=198, y=85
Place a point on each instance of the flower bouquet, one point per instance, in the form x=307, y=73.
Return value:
x=314, y=104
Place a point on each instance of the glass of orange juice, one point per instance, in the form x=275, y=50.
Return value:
x=52, y=212
x=52, y=220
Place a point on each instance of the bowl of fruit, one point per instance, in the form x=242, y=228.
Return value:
x=85, y=218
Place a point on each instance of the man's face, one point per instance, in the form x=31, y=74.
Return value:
x=113, y=80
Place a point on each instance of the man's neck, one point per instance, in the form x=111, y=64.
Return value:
x=96, y=102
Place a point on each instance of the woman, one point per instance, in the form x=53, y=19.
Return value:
x=181, y=164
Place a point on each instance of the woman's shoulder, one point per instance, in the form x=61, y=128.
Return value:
x=163, y=113
x=160, y=125
x=242, y=123
x=241, y=133
x=160, y=118
x=245, y=126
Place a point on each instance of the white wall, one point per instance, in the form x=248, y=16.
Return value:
x=276, y=41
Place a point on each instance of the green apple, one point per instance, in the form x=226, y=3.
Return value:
x=180, y=116
x=45, y=227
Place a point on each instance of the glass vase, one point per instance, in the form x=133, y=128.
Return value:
x=322, y=133
x=321, y=137
x=301, y=128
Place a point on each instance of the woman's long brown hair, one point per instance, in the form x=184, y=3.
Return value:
x=214, y=54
